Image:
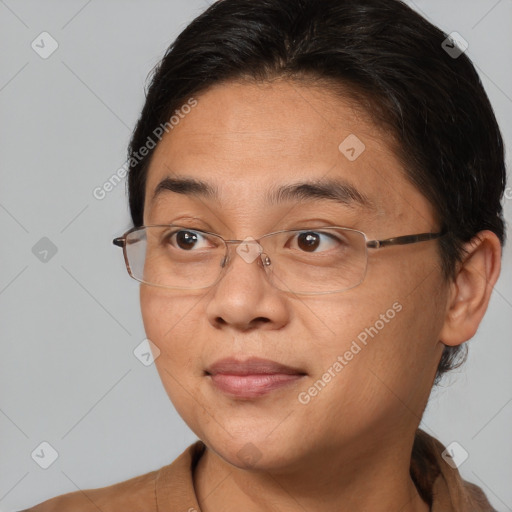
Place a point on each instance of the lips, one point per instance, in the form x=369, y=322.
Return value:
x=251, y=378
x=251, y=366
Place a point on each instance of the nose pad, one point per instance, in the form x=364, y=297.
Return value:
x=262, y=259
x=265, y=259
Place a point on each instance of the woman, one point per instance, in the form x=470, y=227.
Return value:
x=317, y=231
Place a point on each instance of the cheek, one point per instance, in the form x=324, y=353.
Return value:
x=165, y=313
x=403, y=355
x=382, y=347
x=170, y=322
x=364, y=336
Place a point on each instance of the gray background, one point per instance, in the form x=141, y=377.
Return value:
x=69, y=325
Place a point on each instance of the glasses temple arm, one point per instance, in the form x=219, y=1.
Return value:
x=406, y=239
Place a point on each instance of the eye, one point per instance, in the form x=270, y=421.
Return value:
x=310, y=241
x=187, y=240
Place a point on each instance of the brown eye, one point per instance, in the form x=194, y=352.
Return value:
x=317, y=242
x=186, y=239
x=308, y=241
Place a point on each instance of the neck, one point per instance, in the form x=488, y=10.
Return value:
x=355, y=479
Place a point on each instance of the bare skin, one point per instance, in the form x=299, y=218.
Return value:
x=349, y=447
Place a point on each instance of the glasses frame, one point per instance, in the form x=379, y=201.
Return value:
x=370, y=244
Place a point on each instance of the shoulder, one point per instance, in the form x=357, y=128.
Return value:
x=168, y=488
x=136, y=495
x=439, y=481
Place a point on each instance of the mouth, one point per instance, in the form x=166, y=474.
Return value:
x=251, y=378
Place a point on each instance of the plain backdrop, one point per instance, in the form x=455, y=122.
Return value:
x=70, y=317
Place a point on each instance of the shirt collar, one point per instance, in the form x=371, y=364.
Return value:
x=438, y=483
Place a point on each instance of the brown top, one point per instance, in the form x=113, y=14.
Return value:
x=171, y=488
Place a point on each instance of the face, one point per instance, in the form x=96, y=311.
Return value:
x=368, y=355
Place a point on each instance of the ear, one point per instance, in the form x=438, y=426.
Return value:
x=471, y=289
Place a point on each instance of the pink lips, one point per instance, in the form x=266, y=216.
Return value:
x=251, y=378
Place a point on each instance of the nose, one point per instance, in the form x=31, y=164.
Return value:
x=244, y=298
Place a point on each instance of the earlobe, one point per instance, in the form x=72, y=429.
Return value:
x=471, y=289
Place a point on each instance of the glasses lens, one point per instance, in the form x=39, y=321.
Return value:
x=174, y=257
x=316, y=261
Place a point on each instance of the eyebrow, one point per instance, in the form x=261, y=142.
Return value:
x=337, y=190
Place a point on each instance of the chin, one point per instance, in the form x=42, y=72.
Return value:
x=253, y=451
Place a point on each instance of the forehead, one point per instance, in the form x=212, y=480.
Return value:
x=247, y=139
